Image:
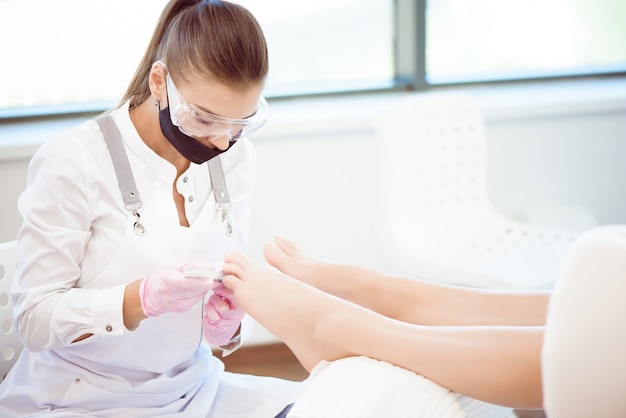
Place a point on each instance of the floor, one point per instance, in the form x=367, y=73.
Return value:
x=266, y=360
x=277, y=360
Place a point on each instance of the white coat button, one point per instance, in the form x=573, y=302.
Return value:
x=185, y=179
x=109, y=328
x=190, y=199
x=77, y=380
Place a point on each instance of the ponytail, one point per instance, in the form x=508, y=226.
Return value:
x=215, y=38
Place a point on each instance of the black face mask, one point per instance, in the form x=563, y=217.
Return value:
x=189, y=147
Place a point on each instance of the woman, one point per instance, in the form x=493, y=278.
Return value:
x=485, y=344
x=118, y=209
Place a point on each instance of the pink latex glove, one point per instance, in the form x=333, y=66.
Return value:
x=222, y=316
x=170, y=291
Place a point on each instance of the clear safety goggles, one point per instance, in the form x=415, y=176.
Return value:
x=198, y=123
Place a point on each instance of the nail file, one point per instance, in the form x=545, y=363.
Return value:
x=205, y=274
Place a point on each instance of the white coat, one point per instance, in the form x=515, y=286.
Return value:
x=78, y=250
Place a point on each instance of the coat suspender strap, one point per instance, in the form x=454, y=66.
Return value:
x=126, y=180
x=222, y=199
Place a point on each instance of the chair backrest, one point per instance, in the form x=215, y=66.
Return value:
x=10, y=345
x=436, y=153
x=434, y=165
x=437, y=219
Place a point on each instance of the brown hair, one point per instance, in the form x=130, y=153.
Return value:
x=216, y=38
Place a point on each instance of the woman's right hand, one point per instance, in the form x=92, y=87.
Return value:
x=170, y=291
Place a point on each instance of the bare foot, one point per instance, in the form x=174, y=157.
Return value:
x=341, y=280
x=287, y=257
x=302, y=316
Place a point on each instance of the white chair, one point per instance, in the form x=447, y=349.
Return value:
x=10, y=344
x=438, y=222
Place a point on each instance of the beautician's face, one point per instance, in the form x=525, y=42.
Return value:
x=212, y=112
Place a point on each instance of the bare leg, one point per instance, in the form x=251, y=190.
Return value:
x=494, y=364
x=407, y=299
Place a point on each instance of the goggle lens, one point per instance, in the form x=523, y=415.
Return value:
x=198, y=123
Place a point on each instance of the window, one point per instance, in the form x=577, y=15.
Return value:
x=57, y=52
x=60, y=52
x=77, y=55
x=494, y=39
x=326, y=45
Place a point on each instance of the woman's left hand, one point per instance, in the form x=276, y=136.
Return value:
x=222, y=316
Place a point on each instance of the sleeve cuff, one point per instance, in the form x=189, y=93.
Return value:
x=108, y=312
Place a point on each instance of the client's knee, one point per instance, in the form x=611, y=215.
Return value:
x=582, y=357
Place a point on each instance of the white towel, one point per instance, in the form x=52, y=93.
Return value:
x=360, y=387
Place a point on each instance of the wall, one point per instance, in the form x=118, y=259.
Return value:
x=555, y=157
